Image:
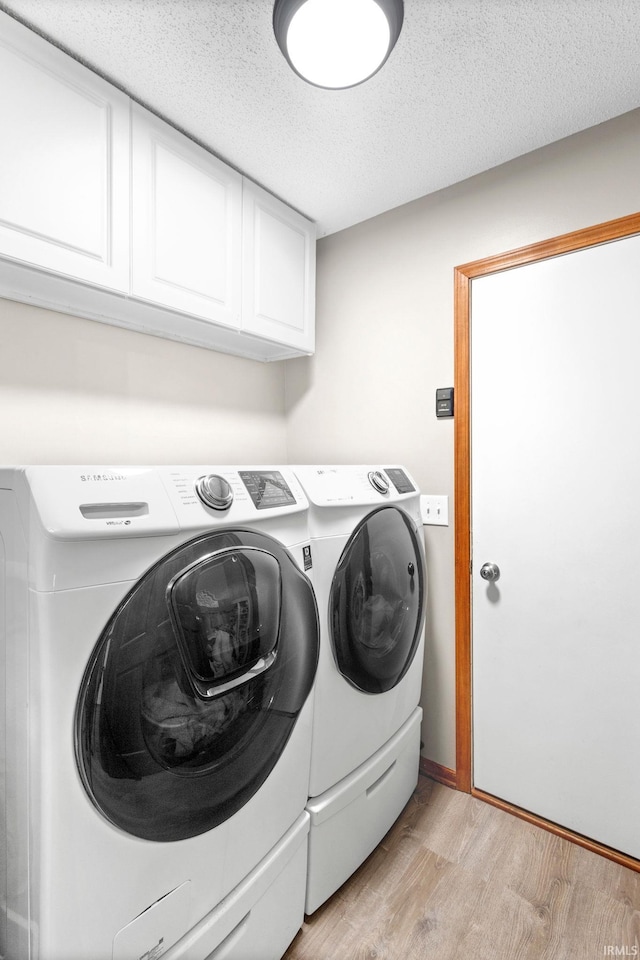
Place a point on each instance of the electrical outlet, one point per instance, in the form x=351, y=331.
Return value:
x=435, y=510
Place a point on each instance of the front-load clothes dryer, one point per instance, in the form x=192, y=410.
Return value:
x=160, y=644
x=370, y=578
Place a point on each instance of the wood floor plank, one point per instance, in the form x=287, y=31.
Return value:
x=605, y=875
x=456, y=878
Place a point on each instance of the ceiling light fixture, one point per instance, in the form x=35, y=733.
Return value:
x=337, y=43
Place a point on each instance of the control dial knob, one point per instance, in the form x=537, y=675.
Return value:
x=378, y=481
x=215, y=491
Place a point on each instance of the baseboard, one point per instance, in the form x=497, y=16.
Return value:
x=429, y=768
x=622, y=858
x=435, y=771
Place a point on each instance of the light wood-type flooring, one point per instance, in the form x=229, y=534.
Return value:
x=458, y=879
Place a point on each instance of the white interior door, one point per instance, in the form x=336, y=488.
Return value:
x=555, y=408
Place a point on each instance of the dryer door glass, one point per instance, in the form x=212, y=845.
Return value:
x=195, y=685
x=377, y=601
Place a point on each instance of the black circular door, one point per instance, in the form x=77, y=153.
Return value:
x=376, y=604
x=195, y=685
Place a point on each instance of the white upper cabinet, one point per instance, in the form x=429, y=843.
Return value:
x=279, y=258
x=64, y=163
x=109, y=213
x=187, y=223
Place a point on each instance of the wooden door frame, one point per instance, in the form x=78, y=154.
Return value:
x=463, y=276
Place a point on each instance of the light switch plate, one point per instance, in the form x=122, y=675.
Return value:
x=435, y=510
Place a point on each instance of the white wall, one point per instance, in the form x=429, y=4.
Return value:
x=385, y=336
x=77, y=391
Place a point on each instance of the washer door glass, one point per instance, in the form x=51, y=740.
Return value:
x=195, y=685
x=376, y=603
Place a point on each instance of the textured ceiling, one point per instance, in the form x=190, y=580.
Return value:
x=470, y=84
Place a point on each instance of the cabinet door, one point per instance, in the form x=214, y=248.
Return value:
x=187, y=221
x=64, y=163
x=278, y=294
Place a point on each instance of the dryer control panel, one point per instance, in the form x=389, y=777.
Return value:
x=348, y=485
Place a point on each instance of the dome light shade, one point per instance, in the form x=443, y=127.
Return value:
x=337, y=43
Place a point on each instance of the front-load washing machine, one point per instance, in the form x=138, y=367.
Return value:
x=370, y=579
x=159, y=645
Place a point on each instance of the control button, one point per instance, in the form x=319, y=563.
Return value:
x=215, y=491
x=378, y=481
